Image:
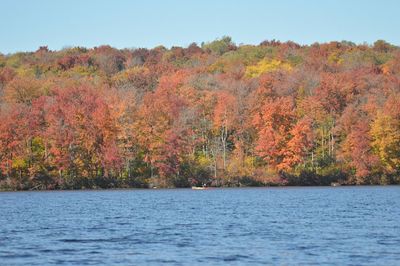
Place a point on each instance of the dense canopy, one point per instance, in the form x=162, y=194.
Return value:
x=219, y=114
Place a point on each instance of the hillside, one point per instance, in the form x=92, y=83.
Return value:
x=218, y=113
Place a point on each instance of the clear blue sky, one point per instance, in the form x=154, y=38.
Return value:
x=26, y=25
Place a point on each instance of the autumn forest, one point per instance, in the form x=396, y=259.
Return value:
x=215, y=114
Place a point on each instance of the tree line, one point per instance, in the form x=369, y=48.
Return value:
x=218, y=114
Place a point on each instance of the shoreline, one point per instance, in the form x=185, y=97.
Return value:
x=210, y=188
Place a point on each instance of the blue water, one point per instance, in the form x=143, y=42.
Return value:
x=324, y=225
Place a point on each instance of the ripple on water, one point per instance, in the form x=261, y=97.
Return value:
x=223, y=226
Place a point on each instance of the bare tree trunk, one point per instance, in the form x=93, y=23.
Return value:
x=312, y=159
x=8, y=169
x=213, y=152
x=223, y=140
x=323, y=143
x=332, y=140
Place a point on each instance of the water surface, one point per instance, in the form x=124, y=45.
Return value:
x=319, y=225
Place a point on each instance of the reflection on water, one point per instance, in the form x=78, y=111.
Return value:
x=342, y=225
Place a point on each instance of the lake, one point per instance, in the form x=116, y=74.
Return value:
x=290, y=225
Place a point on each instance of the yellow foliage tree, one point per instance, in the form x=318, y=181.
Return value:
x=385, y=132
x=265, y=66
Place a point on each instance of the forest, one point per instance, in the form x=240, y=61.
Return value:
x=215, y=114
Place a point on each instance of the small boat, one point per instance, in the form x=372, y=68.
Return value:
x=199, y=188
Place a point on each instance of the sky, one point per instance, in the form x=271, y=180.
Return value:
x=25, y=24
